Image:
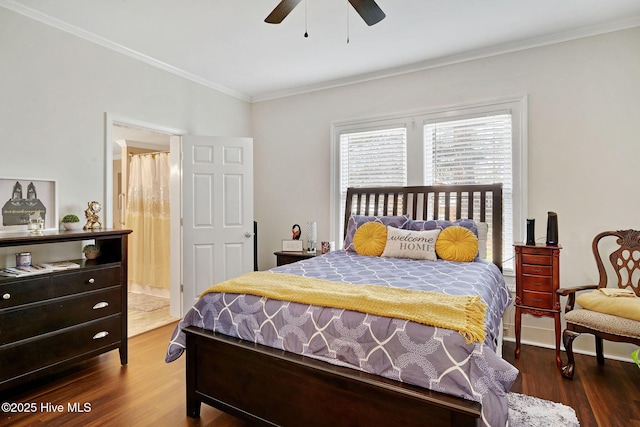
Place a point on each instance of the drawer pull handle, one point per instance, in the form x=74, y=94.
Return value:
x=537, y=300
x=100, y=335
x=92, y=280
x=6, y=296
x=101, y=304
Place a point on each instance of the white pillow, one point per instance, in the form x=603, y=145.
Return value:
x=411, y=244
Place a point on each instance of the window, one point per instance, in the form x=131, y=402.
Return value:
x=482, y=143
x=372, y=159
x=474, y=150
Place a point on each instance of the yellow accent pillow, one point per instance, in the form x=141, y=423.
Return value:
x=628, y=308
x=370, y=239
x=457, y=243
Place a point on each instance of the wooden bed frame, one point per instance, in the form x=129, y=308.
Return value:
x=266, y=386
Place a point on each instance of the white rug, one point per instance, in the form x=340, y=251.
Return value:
x=144, y=302
x=528, y=411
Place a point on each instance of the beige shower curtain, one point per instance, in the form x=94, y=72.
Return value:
x=148, y=216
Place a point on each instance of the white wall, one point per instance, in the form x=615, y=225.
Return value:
x=55, y=89
x=583, y=129
x=583, y=153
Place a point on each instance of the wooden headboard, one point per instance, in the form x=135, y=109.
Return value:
x=449, y=202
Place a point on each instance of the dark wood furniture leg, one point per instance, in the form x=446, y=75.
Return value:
x=557, y=330
x=518, y=329
x=568, y=337
x=599, y=351
x=193, y=404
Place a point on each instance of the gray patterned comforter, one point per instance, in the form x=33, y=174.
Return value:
x=434, y=358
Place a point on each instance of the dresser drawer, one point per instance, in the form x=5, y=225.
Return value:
x=24, y=291
x=84, y=280
x=537, y=283
x=20, y=358
x=537, y=299
x=536, y=270
x=22, y=323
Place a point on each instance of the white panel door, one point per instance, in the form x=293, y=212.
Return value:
x=217, y=212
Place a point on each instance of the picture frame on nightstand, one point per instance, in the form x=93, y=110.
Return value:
x=292, y=246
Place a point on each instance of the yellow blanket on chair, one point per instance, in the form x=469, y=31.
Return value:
x=464, y=314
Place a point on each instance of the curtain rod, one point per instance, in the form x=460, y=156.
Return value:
x=148, y=154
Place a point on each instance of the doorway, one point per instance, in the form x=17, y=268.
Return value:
x=152, y=300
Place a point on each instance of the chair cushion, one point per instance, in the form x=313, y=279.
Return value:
x=603, y=322
x=628, y=307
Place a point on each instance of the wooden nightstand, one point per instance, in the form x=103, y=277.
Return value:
x=283, y=258
x=537, y=279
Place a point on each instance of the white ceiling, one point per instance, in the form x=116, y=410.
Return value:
x=227, y=45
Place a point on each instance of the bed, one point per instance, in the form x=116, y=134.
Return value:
x=320, y=378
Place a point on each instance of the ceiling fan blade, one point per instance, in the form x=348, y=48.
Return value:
x=281, y=11
x=368, y=10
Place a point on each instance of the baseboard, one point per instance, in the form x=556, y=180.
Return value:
x=582, y=345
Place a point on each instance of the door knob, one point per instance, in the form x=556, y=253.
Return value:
x=248, y=234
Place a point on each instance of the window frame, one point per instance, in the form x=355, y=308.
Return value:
x=414, y=123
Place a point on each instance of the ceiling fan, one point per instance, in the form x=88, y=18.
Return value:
x=367, y=9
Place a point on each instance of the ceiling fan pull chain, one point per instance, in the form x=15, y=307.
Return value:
x=306, y=17
x=347, y=23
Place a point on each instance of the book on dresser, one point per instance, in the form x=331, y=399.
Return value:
x=30, y=270
x=56, y=314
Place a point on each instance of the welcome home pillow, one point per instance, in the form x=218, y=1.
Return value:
x=411, y=244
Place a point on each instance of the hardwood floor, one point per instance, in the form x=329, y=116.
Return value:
x=139, y=322
x=607, y=395
x=150, y=392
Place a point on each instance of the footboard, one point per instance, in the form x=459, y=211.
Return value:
x=274, y=387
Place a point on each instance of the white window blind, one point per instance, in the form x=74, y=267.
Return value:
x=473, y=151
x=375, y=158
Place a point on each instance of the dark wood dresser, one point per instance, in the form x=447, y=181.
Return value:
x=50, y=321
x=537, y=279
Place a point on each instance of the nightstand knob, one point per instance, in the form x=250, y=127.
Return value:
x=92, y=280
x=6, y=296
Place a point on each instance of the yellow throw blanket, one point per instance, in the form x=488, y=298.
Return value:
x=464, y=314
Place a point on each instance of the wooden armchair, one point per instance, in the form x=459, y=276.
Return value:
x=606, y=323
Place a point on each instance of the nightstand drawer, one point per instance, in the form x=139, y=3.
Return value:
x=537, y=270
x=536, y=259
x=537, y=283
x=537, y=299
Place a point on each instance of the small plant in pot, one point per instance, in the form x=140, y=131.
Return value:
x=91, y=251
x=71, y=222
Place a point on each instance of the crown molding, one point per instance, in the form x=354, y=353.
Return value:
x=471, y=55
x=505, y=48
x=94, y=38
